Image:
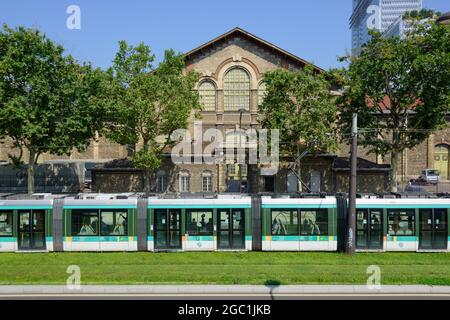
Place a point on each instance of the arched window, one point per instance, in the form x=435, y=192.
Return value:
x=207, y=92
x=161, y=181
x=261, y=93
x=207, y=181
x=184, y=180
x=236, y=90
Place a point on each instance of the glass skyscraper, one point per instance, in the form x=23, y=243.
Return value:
x=379, y=15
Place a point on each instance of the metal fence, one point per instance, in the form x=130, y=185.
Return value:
x=48, y=178
x=440, y=187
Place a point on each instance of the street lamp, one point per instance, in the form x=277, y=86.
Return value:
x=241, y=111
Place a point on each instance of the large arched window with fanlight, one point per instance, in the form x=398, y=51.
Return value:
x=207, y=92
x=236, y=90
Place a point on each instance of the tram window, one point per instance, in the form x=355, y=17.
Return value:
x=284, y=222
x=84, y=222
x=314, y=222
x=114, y=223
x=401, y=222
x=6, y=223
x=199, y=222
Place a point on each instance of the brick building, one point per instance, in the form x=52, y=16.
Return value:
x=232, y=67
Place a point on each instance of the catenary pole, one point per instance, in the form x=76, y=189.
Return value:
x=350, y=248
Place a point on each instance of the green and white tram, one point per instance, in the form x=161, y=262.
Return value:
x=104, y=222
x=26, y=225
x=223, y=223
x=402, y=224
x=99, y=225
x=298, y=224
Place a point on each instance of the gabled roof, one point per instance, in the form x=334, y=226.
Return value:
x=253, y=38
x=386, y=103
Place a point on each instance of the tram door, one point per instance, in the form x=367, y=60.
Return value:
x=231, y=229
x=369, y=229
x=433, y=229
x=31, y=230
x=167, y=229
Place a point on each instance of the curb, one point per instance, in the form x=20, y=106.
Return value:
x=224, y=290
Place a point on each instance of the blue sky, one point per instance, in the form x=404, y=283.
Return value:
x=316, y=30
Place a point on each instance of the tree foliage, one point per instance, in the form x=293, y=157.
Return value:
x=421, y=14
x=300, y=105
x=149, y=103
x=48, y=102
x=400, y=90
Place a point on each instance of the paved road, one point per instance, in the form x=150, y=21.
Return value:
x=223, y=292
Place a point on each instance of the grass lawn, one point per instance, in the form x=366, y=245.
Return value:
x=225, y=268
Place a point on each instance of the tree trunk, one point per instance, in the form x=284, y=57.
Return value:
x=146, y=172
x=31, y=160
x=131, y=149
x=394, y=166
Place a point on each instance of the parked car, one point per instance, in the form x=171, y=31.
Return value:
x=429, y=176
x=414, y=187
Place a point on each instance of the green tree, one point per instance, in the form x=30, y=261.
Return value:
x=400, y=90
x=421, y=14
x=301, y=106
x=48, y=102
x=148, y=103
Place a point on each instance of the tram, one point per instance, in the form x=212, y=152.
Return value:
x=238, y=222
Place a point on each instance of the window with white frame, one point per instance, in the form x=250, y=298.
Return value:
x=207, y=181
x=236, y=90
x=161, y=179
x=184, y=181
x=207, y=92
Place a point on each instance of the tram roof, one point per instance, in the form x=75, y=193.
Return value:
x=404, y=203
x=26, y=204
x=219, y=202
x=327, y=202
x=100, y=203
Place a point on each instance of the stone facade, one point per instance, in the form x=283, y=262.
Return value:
x=330, y=178
x=213, y=60
x=427, y=154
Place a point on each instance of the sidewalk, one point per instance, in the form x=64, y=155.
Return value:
x=222, y=290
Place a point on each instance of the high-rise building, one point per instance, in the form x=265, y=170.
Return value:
x=379, y=15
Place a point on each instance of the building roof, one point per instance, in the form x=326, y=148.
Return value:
x=241, y=32
x=386, y=104
x=343, y=164
x=444, y=19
